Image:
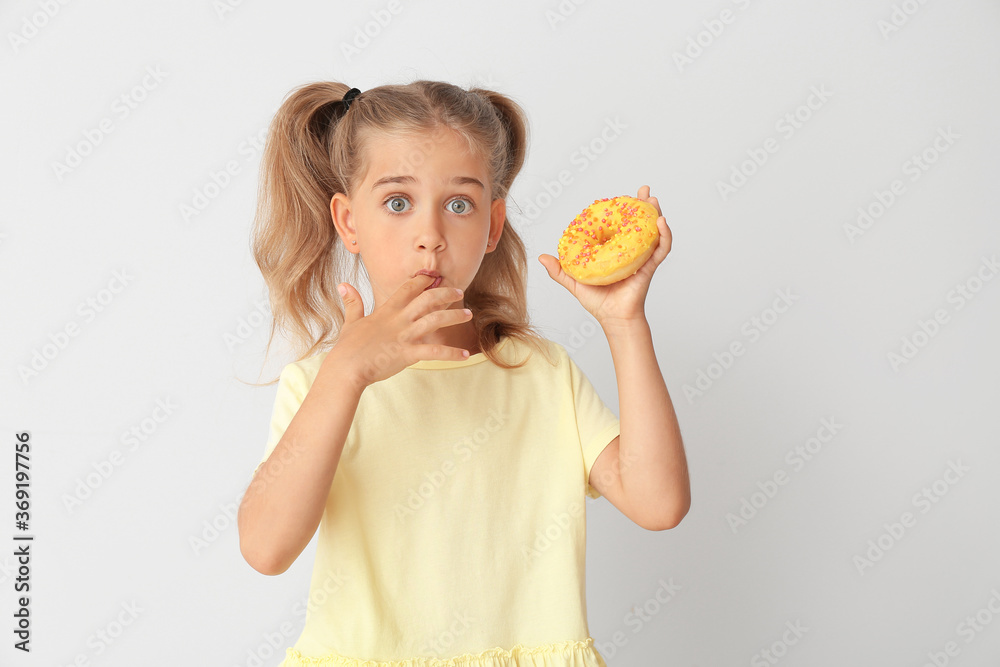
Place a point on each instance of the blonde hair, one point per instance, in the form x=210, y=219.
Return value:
x=315, y=149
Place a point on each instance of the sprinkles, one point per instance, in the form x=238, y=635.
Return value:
x=624, y=237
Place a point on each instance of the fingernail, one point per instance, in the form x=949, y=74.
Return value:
x=465, y=353
x=342, y=290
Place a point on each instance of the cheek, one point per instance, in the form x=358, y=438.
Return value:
x=394, y=253
x=384, y=238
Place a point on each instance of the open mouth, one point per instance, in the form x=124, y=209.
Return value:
x=437, y=281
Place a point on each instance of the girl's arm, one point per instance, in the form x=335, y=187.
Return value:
x=650, y=468
x=284, y=503
x=643, y=472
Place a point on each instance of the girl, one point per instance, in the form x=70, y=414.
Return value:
x=443, y=462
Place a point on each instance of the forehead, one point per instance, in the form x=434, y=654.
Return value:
x=438, y=155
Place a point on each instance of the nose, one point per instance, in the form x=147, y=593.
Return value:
x=430, y=232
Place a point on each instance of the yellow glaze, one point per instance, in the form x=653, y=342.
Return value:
x=609, y=240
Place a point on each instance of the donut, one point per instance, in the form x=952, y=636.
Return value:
x=609, y=240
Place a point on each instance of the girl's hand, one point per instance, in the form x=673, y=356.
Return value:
x=388, y=340
x=621, y=302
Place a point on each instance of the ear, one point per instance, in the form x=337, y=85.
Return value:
x=498, y=211
x=340, y=211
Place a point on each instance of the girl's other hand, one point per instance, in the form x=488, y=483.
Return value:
x=622, y=302
x=379, y=345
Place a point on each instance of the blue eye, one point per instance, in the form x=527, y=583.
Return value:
x=396, y=208
x=394, y=198
x=465, y=204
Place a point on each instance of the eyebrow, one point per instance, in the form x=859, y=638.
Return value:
x=458, y=180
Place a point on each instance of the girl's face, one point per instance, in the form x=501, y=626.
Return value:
x=424, y=204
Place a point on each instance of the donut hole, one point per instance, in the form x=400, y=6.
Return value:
x=599, y=231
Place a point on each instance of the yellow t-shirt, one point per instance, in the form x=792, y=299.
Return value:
x=455, y=528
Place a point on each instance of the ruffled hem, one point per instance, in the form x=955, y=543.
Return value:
x=564, y=654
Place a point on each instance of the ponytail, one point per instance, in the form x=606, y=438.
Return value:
x=293, y=230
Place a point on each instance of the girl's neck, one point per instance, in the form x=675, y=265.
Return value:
x=462, y=336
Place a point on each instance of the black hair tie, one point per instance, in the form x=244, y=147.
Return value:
x=349, y=97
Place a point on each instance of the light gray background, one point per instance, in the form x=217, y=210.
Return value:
x=191, y=283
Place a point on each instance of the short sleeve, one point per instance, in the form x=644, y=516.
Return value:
x=292, y=390
x=596, y=423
